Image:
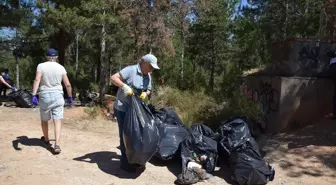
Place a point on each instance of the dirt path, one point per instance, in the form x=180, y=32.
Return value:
x=90, y=156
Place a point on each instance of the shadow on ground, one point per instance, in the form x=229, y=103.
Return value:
x=308, y=151
x=173, y=165
x=24, y=140
x=108, y=162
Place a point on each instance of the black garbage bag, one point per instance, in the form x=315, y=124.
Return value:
x=141, y=135
x=197, y=148
x=166, y=115
x=240, y=150
x=158, y=114
x=22, y=98
x=234, y=134
x=249, y=168
x=171, y=138
x=87, y=98
x=170, y=117
x=171, y=130
x=205, y=130
x=330, y=53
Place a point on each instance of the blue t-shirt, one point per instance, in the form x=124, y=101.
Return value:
x=133, y=77
x=6, y=76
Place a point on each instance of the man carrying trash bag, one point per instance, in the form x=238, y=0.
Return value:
x=134, y=80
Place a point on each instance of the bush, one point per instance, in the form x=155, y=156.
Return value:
x=192, y=107
x=93, y=87
x=183, y=102
x=242, y=106
x=92, y=112
x=196, y=107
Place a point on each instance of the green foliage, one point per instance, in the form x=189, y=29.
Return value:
x=187, y=104
x=93, y=87
x=195, y=107
x=222, y=41
x=92, y=112
x=241, y=105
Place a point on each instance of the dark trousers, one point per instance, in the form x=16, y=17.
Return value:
x=3, y=89
x=120, y=118
x=332, y=74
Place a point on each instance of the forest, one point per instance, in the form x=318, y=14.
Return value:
x=203, y=47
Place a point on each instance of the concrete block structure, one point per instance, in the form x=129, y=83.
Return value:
x=301, y=57
x=289, y=102
x=295, y=90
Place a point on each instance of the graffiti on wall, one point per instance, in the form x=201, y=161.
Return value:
x=266, y=95
x=309, y=57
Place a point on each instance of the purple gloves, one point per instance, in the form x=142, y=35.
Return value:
x=13, y=88
x=35, y=100
x=70, y=100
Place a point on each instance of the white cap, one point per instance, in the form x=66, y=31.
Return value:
x=152, y=60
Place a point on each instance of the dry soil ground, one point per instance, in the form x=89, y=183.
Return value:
x=90, y=155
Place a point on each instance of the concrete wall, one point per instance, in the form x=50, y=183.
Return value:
x=290, y=102
x=300, y=57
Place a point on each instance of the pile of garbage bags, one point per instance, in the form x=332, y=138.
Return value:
x=22, y=98
x=150, y=132
x=87, y=98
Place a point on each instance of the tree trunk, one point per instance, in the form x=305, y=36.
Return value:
x=94, y=72
x=109, y=74
x=103, y=65
x=286, y=20
x=136, y=39
x=98, y=70
x=76, y=65
x=17, y=73
x=213, y=62
x=182, y=49
x=182, y=58
x=61, y=46
x=320, y=27
x=110, y=71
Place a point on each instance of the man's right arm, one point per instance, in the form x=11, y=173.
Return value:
x=67, y=85
x=118, y=78
x=66, y=82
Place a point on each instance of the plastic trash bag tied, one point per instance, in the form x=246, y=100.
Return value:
x=141, y=135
